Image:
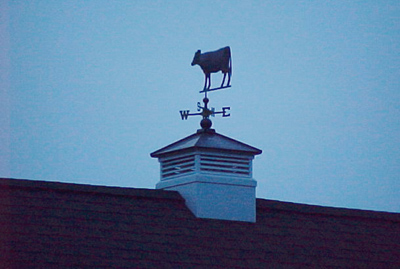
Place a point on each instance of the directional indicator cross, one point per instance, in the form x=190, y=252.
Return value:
x=205, y=111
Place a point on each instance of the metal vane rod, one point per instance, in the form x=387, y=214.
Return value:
x=215, y=89
x=206, y=112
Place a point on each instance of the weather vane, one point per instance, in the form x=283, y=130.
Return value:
x=211, y=62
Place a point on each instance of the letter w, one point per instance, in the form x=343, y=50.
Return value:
x=184, y=114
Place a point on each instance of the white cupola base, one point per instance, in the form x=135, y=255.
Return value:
x=216, y=197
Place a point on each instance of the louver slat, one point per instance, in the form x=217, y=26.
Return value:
x=224, y=164
x=177, y=166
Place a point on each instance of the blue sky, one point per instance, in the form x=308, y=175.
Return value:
x=90, y=88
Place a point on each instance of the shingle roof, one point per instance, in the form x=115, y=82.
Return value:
x=209, y=140
x=59, y=225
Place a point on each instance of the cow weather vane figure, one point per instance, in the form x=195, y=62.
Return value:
x=211, y=62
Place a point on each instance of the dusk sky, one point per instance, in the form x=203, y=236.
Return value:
x=89, y=89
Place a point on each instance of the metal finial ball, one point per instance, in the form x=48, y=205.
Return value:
x=205, y=123
x=205, y=100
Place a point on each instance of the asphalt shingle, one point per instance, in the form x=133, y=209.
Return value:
x=53, y=225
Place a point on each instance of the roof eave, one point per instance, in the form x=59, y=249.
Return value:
x=158, y=154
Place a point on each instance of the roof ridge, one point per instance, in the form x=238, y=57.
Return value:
x=93, y=189
x=173, y=195
x=326, y=210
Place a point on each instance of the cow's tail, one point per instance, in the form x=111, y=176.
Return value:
x=230, y=66
x=230, y=63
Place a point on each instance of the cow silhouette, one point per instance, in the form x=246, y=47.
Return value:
x=212, y=62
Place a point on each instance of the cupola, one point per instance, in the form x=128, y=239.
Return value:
x=213, y=173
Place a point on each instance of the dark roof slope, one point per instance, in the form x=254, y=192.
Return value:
x=53, y=225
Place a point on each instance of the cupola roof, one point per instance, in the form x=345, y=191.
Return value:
x=208, y=140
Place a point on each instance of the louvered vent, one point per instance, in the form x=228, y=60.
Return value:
x=225, y=164
x=177, y=166
x=213, y=173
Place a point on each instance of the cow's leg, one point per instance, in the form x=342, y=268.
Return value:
x=209, y=81
x=223, y=80
x=205, y=81
x=229, y=79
